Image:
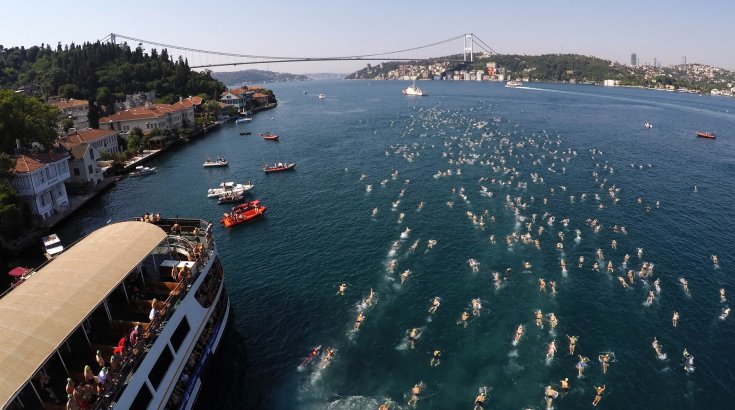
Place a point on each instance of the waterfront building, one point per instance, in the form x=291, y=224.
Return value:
x=83, y=165
x=147, y=298
x=39, y=181
x=633, y=60
x=103, y=140
x=148, y=118
x=188, y=106
x=238, y=97
x=76, y=110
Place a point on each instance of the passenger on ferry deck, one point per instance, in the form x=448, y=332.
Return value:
x=176, y=228
x=100, y=360
x=114, y=363
x=120, y=346
x=154, y=310
x=135, y=335
x=88, y=375
x=69, y=386
x=71, y=403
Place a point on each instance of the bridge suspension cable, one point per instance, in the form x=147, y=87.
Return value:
x=397, y=55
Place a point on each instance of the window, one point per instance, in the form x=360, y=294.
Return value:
x=143, y=399
x=76, y=172
x=89, y=169
x=180, y=333
x=161, y=367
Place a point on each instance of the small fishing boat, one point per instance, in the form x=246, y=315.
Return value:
x=219, y=162
x=278, y=167
x=229, y=187
x=52, y=246
x=243, y=216
x=322, y=96
x=243, y=120
x=245, y=132
x=19, y=274
x=709, y=135
x=413, y=90
x=514, y=84
x=246, y=206
x=270, y=137
x=648, y=125
x=141, y=171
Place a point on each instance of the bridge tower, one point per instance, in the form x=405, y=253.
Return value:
x=468, y=47
x=112, y=38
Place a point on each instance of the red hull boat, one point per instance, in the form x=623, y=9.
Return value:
x=242, y=216
x=270, y=137
x=701, y=134
x=280, y=167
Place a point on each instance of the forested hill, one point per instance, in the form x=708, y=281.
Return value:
x=101, y=72
x=256, y=77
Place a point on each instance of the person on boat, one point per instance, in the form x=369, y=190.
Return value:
x=358, y=321
x=518, y=335
x=675, y=319
x=154, y=313
x=415, y=391
x=88, y=375
x=598, y=395
x=135, y=335
x=435, y=358
x=434, y=305
x=99, y=359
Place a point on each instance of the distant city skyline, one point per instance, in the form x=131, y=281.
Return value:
x=652, y=30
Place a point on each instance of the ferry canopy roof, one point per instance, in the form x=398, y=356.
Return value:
x=40, y=314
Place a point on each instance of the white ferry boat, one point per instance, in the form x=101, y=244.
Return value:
x=130, y=315
x=413, y=90
x=229, y=188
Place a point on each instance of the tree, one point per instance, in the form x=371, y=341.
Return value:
x=10, y=217
x=26, y=119
x=135, y=140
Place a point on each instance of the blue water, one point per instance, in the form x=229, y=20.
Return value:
x=282, y=272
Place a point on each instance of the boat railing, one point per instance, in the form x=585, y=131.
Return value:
x=134, y=355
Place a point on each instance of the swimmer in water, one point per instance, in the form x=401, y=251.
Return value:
x=564, y=386
x=405, y=275
x=572, y=343
x=519, y=335
x=435, y=358
x=358, y=321
x=551, y=350
x=675, y=319
x=480, y=399
x=723, y=299
x=684, y=284
x=415, y=391
x=581, y=261
x=650, y=297
x=725, y=313
x=385, y=405
x=598, y=395
x=434, y=305
x=539, y=318
x=541, y=285
x=609, y=267
x=464, y=318
x=413, y=334
x=312, y=355
x=550, y=394
x=640, y=253
x=552, y=284
x=657, y=285
x=328, y=356
x=605, y=360
x=581, y=365
x=553, y=321
x=622, y=281
x=657, y=347
x=341, y=289
x=476, y=307
x=596, y=266
x=630, y=276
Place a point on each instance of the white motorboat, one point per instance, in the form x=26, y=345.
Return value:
x=513, y=84
x=413, y=90
x=52, y=245
x=219, y=162
x=230, y=188
x=322, y=96
x=243, y=120
x=141, y=170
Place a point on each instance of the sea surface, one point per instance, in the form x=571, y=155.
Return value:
x=532, y=149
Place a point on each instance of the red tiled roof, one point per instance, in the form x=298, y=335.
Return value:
x=30, y=163
x=259, y=95
x=79, y=137
x=70, y=103
x=188, y=102
x=142, y=113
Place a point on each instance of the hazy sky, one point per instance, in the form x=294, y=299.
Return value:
x=667, y=30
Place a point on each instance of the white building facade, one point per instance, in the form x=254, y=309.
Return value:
x=39, y=181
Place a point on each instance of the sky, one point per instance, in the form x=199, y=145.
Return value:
x=665, y=30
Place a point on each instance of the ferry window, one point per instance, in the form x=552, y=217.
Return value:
x=161, y=367
x=180, y=333
x=143, y=399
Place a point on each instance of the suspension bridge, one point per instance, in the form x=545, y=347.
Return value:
x=461, y=48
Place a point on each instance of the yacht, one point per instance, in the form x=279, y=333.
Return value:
x=413, y=90
x=229, y=187
x=131, y=315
